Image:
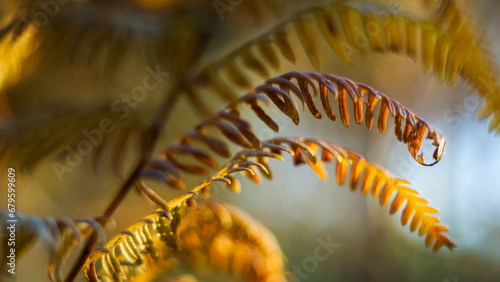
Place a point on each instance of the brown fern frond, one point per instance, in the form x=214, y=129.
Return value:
x=211, y=235
x=445, y=43
x=60, y=236
x=409, y=128
x=370, y=178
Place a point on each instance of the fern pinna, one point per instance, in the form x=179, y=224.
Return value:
x=196, y=235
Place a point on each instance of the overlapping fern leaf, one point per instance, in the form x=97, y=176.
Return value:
x=152, y=27
x=445, y=43
x=92, y=44
x=137, y=250
x=408, y=127
x=316, y=152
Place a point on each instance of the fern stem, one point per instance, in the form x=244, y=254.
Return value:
x=151, y=138
x=149, y=142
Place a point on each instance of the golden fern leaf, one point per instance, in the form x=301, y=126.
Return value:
x=445, y=44
x=315, y=152
x=211, y=236
x=375, y=180
x=478, y=68
x=279, y=91
x=60, y=236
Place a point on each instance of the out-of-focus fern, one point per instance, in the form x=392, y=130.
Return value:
x=209, y=237
x=60, y=236
x=444, y=42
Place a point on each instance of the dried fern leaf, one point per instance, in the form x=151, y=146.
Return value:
x=445, y=43
x=351, y=166
x=60, y=236
x=409, y=128
x=211, y=236
x=450, y=46
x=110, y=32
x=69, y=137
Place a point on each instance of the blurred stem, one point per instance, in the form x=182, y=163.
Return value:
x=152, y=135
x=198, y=39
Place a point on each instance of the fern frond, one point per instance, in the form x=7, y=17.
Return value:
x=98, y=34
x=370, y=178
x=445, y=44
x=211, y=235
x=60, y=236
x=136, y=250
x=26, y=141
x=409, y=128
x=374, y=180
x=478, y=67
x=103, y=34
x=95, y=39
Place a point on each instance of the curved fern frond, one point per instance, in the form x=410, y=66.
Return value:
x=211, y=236
x=315, y=153
x=60, y=236
x=374, y=180
x=445, y=44
x=409, y=128
x=136, y=250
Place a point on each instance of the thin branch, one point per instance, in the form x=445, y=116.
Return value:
x=150, y=142
x=152, y=137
